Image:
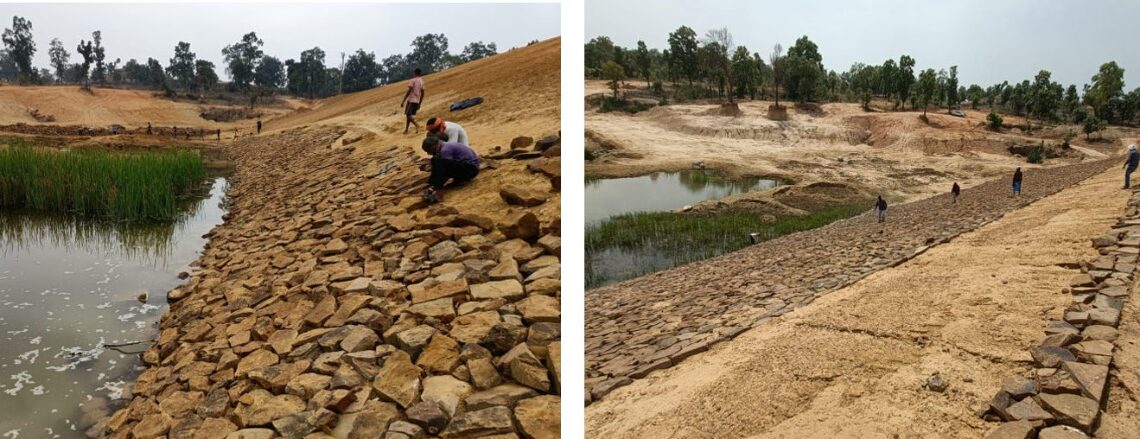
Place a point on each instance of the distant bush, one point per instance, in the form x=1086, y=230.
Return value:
x=1069, y=136
x=1036, y=155
x=590, y=155
x=995, y=120
x=629, y=106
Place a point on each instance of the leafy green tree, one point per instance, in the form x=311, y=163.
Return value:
x=975, y=94
x=100, y=73
x=241, y=59
x=205, y=76
x=863, y=82
x=270, y=73
x=804, y=70
x=722, y=48
x=995, y=120
x=952, y=95
x=428, y=52
x=597, y=51
x=614, y=73
x=745, y=73
x=156, y=76
x=926, y=88
x=181, y=67
x=776, y=58
x=644, y=62
x=1107, y=84
x=308, y=76
x=683, y=53
x=477, y=50
x=903, y=79
x=21, y=47
x=86, y=49
x=361, y=72
x=1092, y=124
x=1070, y=102
x=1045, y=96
x=59, y=57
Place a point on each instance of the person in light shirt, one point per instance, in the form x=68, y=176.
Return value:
x=412, y=100
x=447, y=131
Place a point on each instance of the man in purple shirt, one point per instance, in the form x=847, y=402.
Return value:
x=450, y=161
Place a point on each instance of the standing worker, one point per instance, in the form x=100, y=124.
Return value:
x=259, y=126
x=1017, y=182
x=413, y=98
x=447, y=131
x=1130, y=165
x=881, y=208
x=954, y=192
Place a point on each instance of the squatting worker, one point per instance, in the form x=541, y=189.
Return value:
x=954, y=192
x=1130, y=165
x=1017, y=181
x=447, y=131
x=881, y=208
x=412, y=99
x=450, y=161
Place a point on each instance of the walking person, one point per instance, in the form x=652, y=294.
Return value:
x=1016, y=182
x=449, y=161
x=412, y=100
x=954, y=192
x=1130, y=165
x=447, y=131
x=259, y=126
x=881, y=208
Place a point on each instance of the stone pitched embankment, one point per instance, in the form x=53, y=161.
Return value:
x=333, y=304
x=650, y=323
x=1064, y=396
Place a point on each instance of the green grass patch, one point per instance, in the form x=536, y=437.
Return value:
x=654, y=241
x=130, y=186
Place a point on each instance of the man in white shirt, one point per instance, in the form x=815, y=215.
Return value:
x=448, y=131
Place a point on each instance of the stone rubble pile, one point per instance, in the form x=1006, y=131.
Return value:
x=1064, y=394
x=653, y=322
x=333, y=303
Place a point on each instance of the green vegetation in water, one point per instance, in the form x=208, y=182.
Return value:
x=654, y=241
x=134, y=186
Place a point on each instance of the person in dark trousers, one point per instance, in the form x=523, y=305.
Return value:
x=881, y=208
x=449, y=161
x=1016, y=182
x=149, y=130
x=412, y=100
x=1130, y=165
x=219, y=134
x=259, y=126
x=954, y=192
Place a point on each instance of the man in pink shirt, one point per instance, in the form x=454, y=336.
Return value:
x=412, y=98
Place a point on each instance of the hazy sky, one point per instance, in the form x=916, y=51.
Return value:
x=152, y=30
x=990, y=41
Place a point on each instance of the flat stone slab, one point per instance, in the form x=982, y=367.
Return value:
x=1091, y=377
x=1075, y=411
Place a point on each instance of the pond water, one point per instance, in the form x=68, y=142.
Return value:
x=68, y=288
x=662, y=191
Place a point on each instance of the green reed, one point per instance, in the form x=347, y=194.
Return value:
x=130, y=186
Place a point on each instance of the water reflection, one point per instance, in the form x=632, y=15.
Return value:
x=67, y=289
x=662, y=191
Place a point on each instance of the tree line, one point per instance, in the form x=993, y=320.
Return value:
x=252, y=72
x=713, y=67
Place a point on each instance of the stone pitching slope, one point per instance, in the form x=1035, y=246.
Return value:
x=653, y=322
x=1064, y=395
x=333, y=304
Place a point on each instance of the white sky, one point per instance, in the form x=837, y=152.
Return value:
x=989, y=40
x=152, y=30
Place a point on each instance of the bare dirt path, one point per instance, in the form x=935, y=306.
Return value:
x=852, y=363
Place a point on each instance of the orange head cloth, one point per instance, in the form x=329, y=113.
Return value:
x=437, y=126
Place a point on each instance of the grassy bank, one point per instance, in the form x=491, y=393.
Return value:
x=136, y=186
x=631, y=245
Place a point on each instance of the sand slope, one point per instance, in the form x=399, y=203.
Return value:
x=102, y=107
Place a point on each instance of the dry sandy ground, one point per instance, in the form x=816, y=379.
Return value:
x=522, y=97
x=103, y=107
x=852, y=364
x=889, y=152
